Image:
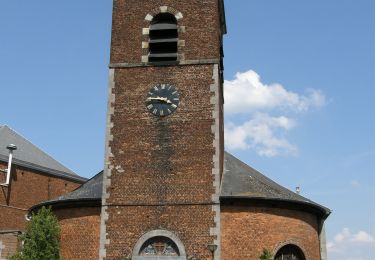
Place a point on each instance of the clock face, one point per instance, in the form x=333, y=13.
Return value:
x=162, y=99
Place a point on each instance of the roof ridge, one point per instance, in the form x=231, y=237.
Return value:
x=37, y=147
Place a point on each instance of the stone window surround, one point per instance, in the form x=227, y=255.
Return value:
x=159, y=233
x=289, y=242
x=145, y=32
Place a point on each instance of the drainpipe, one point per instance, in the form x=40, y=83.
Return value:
x=10, y=148
x=323, y=243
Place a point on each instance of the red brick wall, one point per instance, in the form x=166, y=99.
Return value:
x=9, y=242
x=161, y=169
x=144, y=144
x=80, y=232
x=158, y=161
x=190, y=223
x=247, y=230
x=27, y=188
x=200, y=18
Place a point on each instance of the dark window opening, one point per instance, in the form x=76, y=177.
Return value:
x=290, y=252
x=159, y=48
x=163, y=38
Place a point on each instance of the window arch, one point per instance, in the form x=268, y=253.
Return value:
x=163, y=38
x=290, y=252
x=157, y=245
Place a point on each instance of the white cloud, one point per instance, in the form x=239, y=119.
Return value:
x=343, y=235
x=346, y=236
x=350, y=246
x=252, y=105
x=364, y=237
x=355, y=183
x=246, y=93
x=260, y=133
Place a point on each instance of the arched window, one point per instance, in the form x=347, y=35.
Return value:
x=163, y=38
x=290, y=252
x=159, y=246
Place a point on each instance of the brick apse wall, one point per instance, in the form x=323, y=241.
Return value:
x=247, y=230
x=80, y=232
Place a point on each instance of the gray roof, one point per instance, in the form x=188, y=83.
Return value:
x=242, y=181
x=92, y=189
x=30, y=156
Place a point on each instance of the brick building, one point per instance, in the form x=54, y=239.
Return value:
x=168, y=189
x=34, y=177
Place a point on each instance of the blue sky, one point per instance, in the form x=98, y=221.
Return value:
x=311, y=65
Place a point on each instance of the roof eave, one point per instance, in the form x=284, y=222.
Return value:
x=68, y=203
x=222, y=17
x=319, y=210
x=45, y=170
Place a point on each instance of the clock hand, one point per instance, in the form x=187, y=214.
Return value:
x=160, y=99
x=155, y=98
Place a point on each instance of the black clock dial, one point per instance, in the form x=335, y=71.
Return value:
x=162, y=99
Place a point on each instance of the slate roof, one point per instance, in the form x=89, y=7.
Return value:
x=29, y=156
x=92, y=189
x=240, y=181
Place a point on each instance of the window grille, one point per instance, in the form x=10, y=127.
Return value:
x=163, y=38
x=290, y=252
x=159, y=246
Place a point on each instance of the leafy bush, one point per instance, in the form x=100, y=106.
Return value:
x=266, y=255
x=41, y=241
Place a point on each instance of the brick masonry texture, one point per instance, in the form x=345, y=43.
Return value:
x=160, y=170
x=79, y=232
x=27, y=188
x=247, y=230
x=161, y=161
x=201, y=33
x=10, y=244
x=188, y=223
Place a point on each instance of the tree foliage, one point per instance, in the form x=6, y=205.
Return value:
x=41, y=241
x=266, y=255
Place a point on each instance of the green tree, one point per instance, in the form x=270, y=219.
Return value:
x=41, y=241
x=266, y=255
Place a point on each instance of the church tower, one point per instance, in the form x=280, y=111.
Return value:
x=164, y=139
